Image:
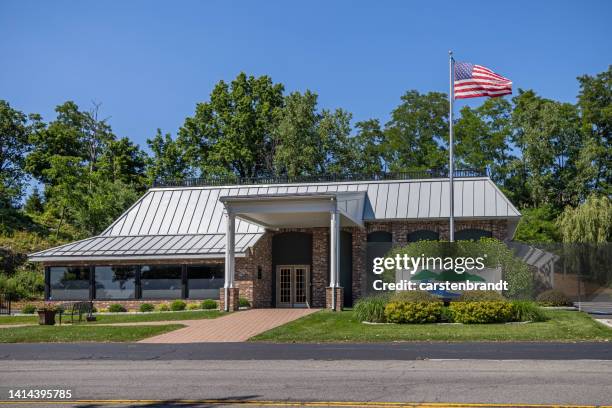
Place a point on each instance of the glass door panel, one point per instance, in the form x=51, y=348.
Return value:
x=300, y=275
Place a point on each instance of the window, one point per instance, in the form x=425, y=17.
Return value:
x=204, y=281
x=472, y=234
x=423, y=235
x=115, y=282
x=380, y=236
x=69, y=283
x=160, y=281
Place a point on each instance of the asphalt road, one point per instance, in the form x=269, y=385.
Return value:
x=444, y=381
x=337, y=351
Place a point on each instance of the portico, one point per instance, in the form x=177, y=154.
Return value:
x=293, y=210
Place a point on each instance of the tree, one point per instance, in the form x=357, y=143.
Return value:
x=595, y=103
x=168, y=161
x=15, y=129
x=483, y=138
x=34, y=204
x=65, y=177
x=337, y=150
x=123, y=161
x=590, y=222
x=367, y=148
x=309, y=142
x=298, y=147
x=74, y=157
x=538, y=225
x=415, y=135
x=232, y=133
x=101, y=205
x=63, y=137
x=548, y=134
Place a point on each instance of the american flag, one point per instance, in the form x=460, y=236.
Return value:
x=473, y=81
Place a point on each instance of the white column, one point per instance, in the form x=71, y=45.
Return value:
x=334, y=248
x=230, y=239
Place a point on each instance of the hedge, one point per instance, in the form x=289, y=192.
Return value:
x=553, y=297
x=481, y=312
x=413, y=312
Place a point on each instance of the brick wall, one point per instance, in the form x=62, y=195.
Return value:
x=257, y=291
x=320, y=265
x=359, y=262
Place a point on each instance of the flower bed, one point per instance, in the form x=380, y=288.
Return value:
x=405, y=308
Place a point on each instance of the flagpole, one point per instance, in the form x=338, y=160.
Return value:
x=451, y=98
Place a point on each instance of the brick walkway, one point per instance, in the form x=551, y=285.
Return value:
x=235, y=327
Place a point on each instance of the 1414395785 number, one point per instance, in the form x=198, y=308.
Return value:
x=40, y=394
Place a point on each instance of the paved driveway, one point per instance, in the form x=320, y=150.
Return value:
x=235, y=327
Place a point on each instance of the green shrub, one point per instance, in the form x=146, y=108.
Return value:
x=193, y=306
x=527, y=311
x=413, y=296
x=163, y=307
x=178, y=305
x=146, y=307
x=117, y=308
x=481, y=296
x=413, y=312
x=209, y=304
x=553, y=297
x=371, y=308
x=28, y=309
x=24, y=284
x=243, y=302
x=481, y=312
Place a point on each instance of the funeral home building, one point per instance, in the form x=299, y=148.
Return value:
x=274, y=242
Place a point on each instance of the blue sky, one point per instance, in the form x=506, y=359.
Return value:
x=149, y=62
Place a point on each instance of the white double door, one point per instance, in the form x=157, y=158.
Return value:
x=292, y=285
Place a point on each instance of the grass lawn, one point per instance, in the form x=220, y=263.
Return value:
x=18, y=319
x=124, y=317
x=81, y=333
x=326, y=326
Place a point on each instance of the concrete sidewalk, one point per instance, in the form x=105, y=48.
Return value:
x=234, y=327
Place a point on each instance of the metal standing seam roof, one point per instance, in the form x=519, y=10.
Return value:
x=189, y=221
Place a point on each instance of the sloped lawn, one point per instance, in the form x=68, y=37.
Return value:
x=326, y=326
